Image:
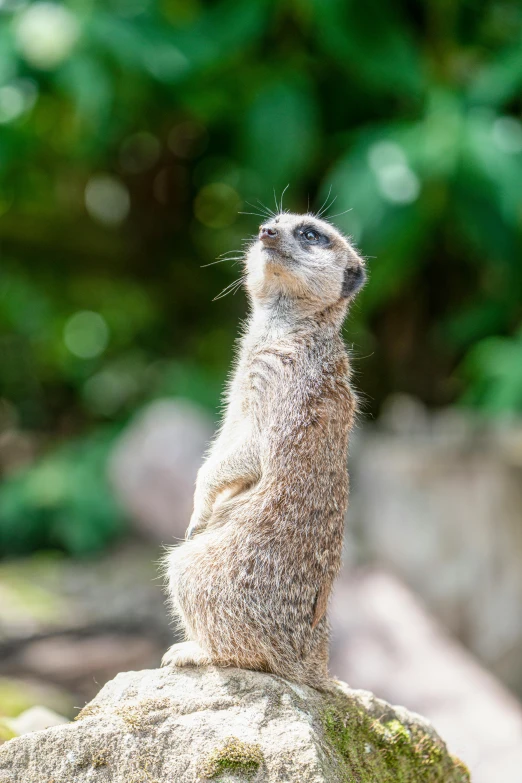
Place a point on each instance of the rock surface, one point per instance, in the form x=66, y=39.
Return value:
x=35, y=719
x=74, y=624
x=154, y=464
x=385, y=641
x=438, y=499
x=161, y=726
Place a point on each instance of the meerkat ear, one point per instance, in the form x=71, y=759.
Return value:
x=353, y=280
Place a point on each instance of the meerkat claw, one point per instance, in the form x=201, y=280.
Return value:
x=185, y=654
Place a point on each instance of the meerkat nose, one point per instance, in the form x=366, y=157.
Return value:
x=265, y=232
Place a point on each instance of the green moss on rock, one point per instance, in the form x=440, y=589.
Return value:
x=370, y=749
x=233, y=755
x=466, y=775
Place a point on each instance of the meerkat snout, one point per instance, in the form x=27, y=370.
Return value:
x=266, y=233
x=304, y=259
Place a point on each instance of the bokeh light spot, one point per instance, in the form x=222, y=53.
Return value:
x=45, y=34
x=139, y=152
x=385, y=153
x=12, y=103
x=188, y=139
x=217, y=205
x=86, y=334
x=507, y=134
x=166, y=62
x=107, y=200
x=398, y=184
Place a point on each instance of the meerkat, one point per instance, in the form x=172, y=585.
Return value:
x=251, y=582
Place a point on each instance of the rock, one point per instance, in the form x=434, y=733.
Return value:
x=103, y=616
x=19, y=695
x=154, y=464
x=47, y=593
x=437, y=501
x=67, y=660
x=384, y=640
x=192, y=725
x=79, y=622
x=35, y=719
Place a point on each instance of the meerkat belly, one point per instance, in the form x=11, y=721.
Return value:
x=247, y=593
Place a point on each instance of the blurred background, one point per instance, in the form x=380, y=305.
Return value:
x=134, y=135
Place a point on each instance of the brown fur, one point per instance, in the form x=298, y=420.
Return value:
x=251, y=584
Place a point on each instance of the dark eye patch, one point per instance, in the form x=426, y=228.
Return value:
x=309, y=235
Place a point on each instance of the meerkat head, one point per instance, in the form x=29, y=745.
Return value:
x=302, y=258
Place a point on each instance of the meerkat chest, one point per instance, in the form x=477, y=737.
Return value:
x=269, y=368
x=283, y=369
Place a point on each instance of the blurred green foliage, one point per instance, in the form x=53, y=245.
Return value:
x=63, y=502
x=133, y=132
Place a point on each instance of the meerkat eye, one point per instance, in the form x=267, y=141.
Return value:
x=309, y=234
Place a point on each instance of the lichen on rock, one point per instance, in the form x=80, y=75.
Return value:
x=388, y=750
x=229, y=725
x=234, y=755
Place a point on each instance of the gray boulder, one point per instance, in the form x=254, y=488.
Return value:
x=154, y=463
x=165, y=726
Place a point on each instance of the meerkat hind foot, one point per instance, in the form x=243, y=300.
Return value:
x=330, y=685
x=185, y=654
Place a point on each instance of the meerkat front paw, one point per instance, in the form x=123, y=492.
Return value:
x=185, y=654
x=197, y=523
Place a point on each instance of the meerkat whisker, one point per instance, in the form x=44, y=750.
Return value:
x=238, y=251
x=225, y=290
x=330, y=205
x=344, y=212
x=269, y=212
x=258, y=214
x=282, y=196
x=265, y=213
x=275, y=201
x=323, y=207
x=220, y=261
x=229, y=288
x=236, y=259
x=319, y=212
